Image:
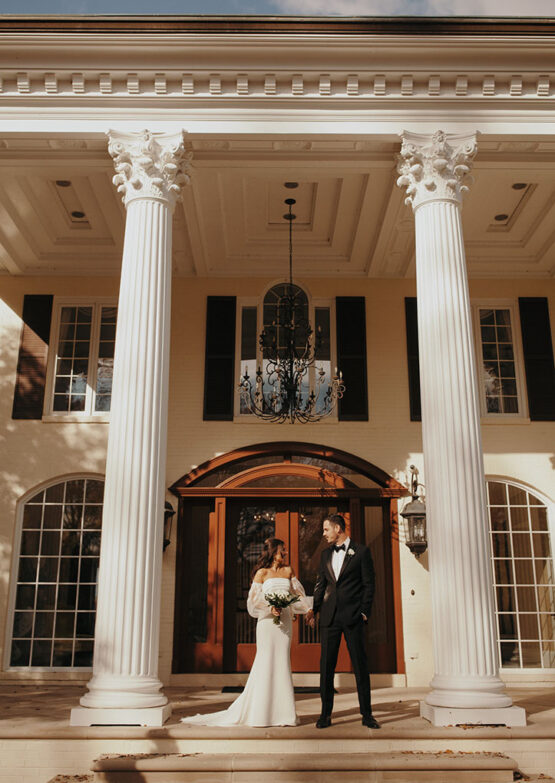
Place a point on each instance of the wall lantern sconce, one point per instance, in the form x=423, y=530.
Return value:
x=415, y=515
x=169, y=514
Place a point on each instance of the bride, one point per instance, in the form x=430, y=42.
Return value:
x=268, y=697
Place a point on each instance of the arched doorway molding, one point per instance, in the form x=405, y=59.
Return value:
x=288, y=487
x=385, y=484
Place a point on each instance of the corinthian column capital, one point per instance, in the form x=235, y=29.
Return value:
x=149, y=165
x=436, y=167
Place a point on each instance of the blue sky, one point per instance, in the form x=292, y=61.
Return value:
x=286, y=7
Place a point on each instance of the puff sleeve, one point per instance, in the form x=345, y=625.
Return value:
x=257, y=606
x=305, y=603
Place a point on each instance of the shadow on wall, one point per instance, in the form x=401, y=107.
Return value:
x=33, y=451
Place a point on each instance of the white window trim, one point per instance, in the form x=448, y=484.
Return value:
x=512, y=670
x=258, y=302
x=50, y=415
x=522, y=417
x=12, y=589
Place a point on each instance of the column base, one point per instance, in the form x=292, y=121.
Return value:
x=474, y=716
x=96, y=716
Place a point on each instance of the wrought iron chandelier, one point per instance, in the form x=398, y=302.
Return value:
x=289, y=386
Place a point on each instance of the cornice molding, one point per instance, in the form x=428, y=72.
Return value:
x=227, y=24
x=220, y=85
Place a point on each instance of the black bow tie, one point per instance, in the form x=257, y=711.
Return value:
x=339, y=548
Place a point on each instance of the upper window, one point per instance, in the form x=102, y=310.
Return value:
x=81, y=366
x=498, y=361
x=522, y=559
x=54, y=602
x=252, y=319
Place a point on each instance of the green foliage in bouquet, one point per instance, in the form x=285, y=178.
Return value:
x=281, y=601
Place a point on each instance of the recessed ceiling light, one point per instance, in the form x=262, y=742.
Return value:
x=63, y=183
x=501, y=218
x=291, y=184
x=520, y=185
x=78, y=215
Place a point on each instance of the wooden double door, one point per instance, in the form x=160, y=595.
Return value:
x=299, y=525
x=219, y=544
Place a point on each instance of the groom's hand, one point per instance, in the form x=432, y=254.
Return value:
x=309, y=618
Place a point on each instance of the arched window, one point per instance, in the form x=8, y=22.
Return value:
x=253, y=319
x=523, y=575
x=54, y=601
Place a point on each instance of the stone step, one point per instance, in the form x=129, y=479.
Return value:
x=394, y=767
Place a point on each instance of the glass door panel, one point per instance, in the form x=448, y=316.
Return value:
x=253, y=525
x=307, y=544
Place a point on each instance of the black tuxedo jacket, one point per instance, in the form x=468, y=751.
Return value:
x=351, y=595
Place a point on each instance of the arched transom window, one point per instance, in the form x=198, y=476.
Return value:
x=523, y=574
x=55, y=596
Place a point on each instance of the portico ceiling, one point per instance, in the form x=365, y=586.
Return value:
x=352, y=220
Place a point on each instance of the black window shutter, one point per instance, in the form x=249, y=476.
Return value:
x=538, y=357
x=219, y=367
x=28, y=401
x=411, y=320
x=351, y=357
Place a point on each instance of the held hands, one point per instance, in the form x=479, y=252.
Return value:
x=276, y=611
x=310, y=619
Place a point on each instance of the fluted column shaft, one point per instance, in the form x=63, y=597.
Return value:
x=434, y=170
x=125, y=667
x=466, y=671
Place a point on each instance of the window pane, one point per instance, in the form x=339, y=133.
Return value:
x=46, y=596
x=50, y=544
x=62, y=653
x=519, y=519
x=41, y=653
x=71, y=543
x=249, y=338
x=503, y=572
x=89, y=569
x=85, y=624
x=67, y=595
x=48, y=569
x=538, y=518
x=498, y=368
x=322, y=332
x=25, y=598
x=22, y=624
x=94, y=491
x=531, y=654
x=509, y=654
x=497, y=493
x=44, y=625
x=30, y=542
x=53, y=516
x=508, y=626
x=65, y=623
x=32, y=516
x=541, y=545
x=27, y=569
x=69, y=568
x=521, y=545
x=93, y=517
x=83, y=653
x=524, y=571
x=21, y=652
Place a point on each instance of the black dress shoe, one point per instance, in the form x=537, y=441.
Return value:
x=371, y=722
x=323, y=722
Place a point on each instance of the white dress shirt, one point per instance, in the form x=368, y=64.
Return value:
x=337, y=559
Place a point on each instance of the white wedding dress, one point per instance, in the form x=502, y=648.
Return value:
x=268, y=698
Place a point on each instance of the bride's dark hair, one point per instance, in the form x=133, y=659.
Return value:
x=271, y=546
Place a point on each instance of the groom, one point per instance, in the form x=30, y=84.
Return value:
x=343, y=598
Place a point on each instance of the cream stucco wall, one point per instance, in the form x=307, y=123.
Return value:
x=34, y=451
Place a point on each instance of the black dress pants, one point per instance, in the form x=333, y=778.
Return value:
x=330, y=636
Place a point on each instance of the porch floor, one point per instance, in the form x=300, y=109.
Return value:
x=36, y=741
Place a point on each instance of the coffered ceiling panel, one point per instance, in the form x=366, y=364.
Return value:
x=60, y=213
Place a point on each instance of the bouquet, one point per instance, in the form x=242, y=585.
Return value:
x=281, y=601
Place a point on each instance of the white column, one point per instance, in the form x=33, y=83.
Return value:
x=466, y=687
x=125, y=688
